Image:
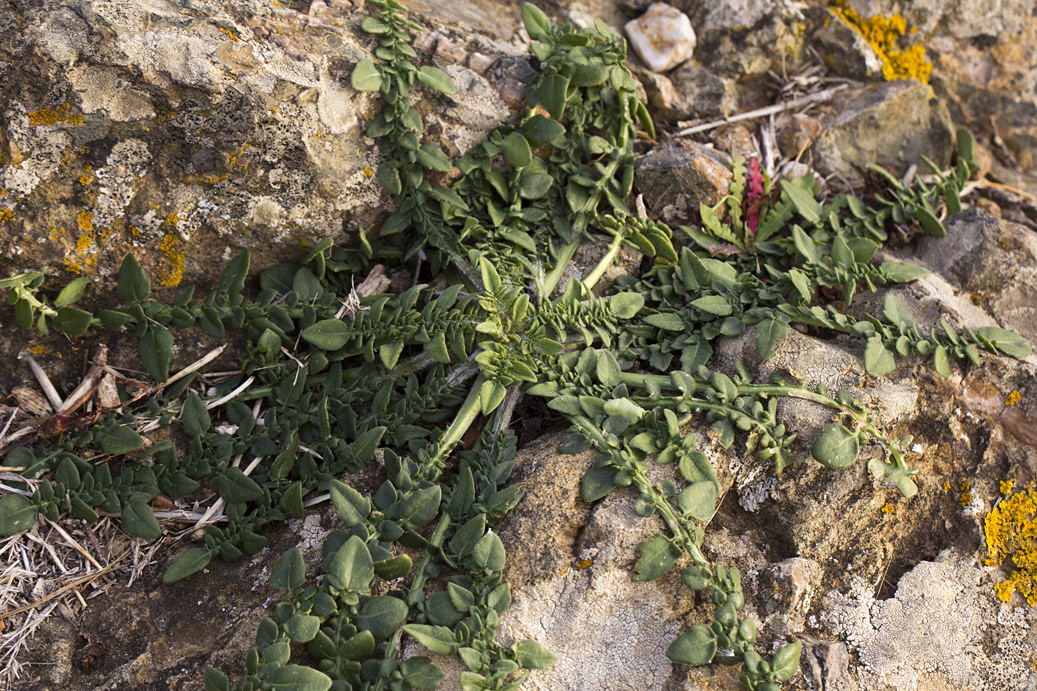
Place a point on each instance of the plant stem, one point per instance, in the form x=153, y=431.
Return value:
x=605, y=262
x=564, y=257
x=467, y=414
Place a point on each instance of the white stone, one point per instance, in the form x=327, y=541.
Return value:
x=662, y=37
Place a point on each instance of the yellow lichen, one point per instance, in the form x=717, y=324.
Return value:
x=965, y=493
x=1010, y=530
x=87, y=177
x=85, y=219
x=173, y=273
x=228, y=32
x=883, y=34
x=6, y=215
x=1006, y=487
x=53, y=116
x=888, y=508
x=1013, y=397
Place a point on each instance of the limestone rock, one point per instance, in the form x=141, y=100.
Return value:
x=890, y=124
x=662, y=37
x=845, y=50
x=676, y=177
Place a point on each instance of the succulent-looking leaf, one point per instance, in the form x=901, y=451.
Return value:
x=139, y=521
x=436, y=639
x=420, y=673
x=366, y=77
x=382, y=615
x=769, y=333
x=836, y=447
x=698, y=500
x=133, y=285
x=696, y=646
x=295, y=678
x=531, y=655
x=436, y=79
x=877, y=358
x=121, y=439
x=352, y=568
x=657, y=556
x=327, y=334
x=899, y=272
x=538, y=26
x=190, y=562
x=1009, y=343
x=289, y=572
x=786, y=661
x=17, y=514
x=155, y=349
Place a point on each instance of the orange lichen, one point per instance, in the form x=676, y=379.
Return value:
x=87, y=177
x=85, y=219
x=888, y=508
x=1010, y=530
x=965, y=493
x=1006, y=487
x=173, y=273
x=6, y=215
x=1013, y=397
x=883, y=34
x=233, y=36
x=53, y=116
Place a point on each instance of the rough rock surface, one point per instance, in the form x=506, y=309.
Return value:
x=186, y=130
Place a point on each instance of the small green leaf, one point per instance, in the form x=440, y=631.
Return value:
x=804, y=245
x=301, y=628
x=72, y=292
x=215, y=680
x=516, y=150
x=17, y=514
x=436, y=639
x=433, y=158
x=294, y=678
x=696, y=646
x=1006, y=342
x=366, y=76
x=389, y=177
x=352, y=568
x=657, y=556
x=491, y=395
x=896, y=311
x=121, y=439
x=436, y=79
x=289, y=572
x=531, y=655
x=133, y=285
x=538, y=26
x=327, y=334
x=836, y=447
x=698, y=500
x=626, y=305
x=190, y=562
x=374, y=25
x=940, y=361
x=804, y=202
x=670, y=321
x=155, y=349
x=899, y=272
x=71, y=321
x=195, y=416
x=786, y=661
x=877, y=359
x=929, y=223
x=624, y=407
x=391, y=569
x=236, y=487
x=419, y=673
x=554, y=92
x=713, y=304
x=351, y=506
x=769, y=333
x=139, y=521
x=540, y=131
x=382, y=615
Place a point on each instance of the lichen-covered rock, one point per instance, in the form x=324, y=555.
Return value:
x=891, y=124
x=675, y=178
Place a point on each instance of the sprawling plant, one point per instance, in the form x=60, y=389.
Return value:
x=333, y=379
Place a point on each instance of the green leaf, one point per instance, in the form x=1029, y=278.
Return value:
x=436, y=639
x=419, y=673
x=1009, y=343
x=436, y=79
x=540, y=131
x=72, y=292
x=236, y=487
x=896, y=312
x=531, y=655
x=418, y=508
x=215, y=680
x=195, y=416
x=929, y=223
x=327, y=334
x=804, y=245
x=121, y=439
x=134, y=286
x=71, y=321
x=389, y=177
x=698, y=500
x=491, y=395
x=489, y=552
x=17, y=514
x=374, y=25
x=877, y=359
x=232, y=278
x=294, y=678
x=624, y=407
x=289, y=572
x=940, y=361
x=803, y=201
x=391, y=569
x=382, y=615
x=713, y=304
x=553, y=92
x=302, y=628
x=516, y=150
x=786, y=661
x=190, y=562
x=352, y=568
x=433, y=158
x=155, y=349
x=836, y=447
x=670, y=321
x=139, y=521
x=366, y=76
x=657, y=556
x=899, y=272
x=769, y=333
x=351, y=506
x=696, y=646
x=538, y=26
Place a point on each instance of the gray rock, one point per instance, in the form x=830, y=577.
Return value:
x=890, y=124
x=676, y=177
x=846, y=51
x=688, y=92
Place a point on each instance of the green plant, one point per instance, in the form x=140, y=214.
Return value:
x=31, y=310
x=332, y=379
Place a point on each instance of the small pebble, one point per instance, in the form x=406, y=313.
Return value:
x=662, y=37
x=451, y=52
x=479, y=63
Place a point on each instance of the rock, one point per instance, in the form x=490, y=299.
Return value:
x=962, y=19
x=797, y=133
x=689, y=92
x=662, y=37
x=994, y=262
x=743, y=39
x=734, y=139
x=933, y=627
x=846, y=52
x=891, y=124
x=676, y=177
x=791, y=583
x=828, y=663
